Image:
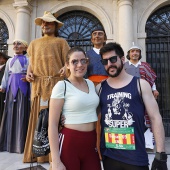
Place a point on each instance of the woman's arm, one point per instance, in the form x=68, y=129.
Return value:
x=54, y=116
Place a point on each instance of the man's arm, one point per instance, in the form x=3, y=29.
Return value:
x=154, y=114
x=98, y=126
x=29, y=76
x=160, y=160
x=98, y=88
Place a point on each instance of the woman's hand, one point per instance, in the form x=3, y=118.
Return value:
x=58, y=166
x=24, y=78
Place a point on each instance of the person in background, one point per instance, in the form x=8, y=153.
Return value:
x=141, y=69
x=95, y=70
x=47, y=56
x=136, y=67
x=16, y=113
x=122, y=120
x=74, y=148
x=3, y=60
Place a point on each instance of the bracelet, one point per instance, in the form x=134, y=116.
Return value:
x=162, y=156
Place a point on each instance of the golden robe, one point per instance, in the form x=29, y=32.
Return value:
x=47, y=57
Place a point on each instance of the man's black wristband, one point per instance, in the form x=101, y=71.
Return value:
x=161, y=156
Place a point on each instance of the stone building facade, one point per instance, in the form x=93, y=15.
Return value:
x=145, y=22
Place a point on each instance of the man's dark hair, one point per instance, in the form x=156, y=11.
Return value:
x=98, y=29
x=128, y=55
x=112, y=46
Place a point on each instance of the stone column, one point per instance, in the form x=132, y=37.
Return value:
x=141, y=41
x=115, y=20
x=125, y=26
x=22, y=29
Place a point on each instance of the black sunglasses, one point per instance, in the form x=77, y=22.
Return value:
x=112, y=59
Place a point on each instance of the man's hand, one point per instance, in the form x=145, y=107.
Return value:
x=160, y=161
x=62, y=120
x=159, y=165
x=62, y=71
x=30, y=77
x=2, y=90
x=156, y=94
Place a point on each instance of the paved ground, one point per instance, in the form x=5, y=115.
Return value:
x=11, y=161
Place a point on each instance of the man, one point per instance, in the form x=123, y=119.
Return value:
x=47, y=56
x=122, y=120
x=140, y=69
x=95, y=70
x=3, y=60
x=143, y=70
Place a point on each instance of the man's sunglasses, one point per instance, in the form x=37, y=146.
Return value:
x=83, y=61
x=112, y=59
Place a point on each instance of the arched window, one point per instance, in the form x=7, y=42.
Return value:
x=3, y=36
x=77, y=28
x=158, y=55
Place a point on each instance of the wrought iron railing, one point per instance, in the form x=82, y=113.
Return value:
x=77, y=28
x=158, y=55
x=4, y=48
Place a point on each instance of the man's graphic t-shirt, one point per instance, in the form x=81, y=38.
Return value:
x=122, y=119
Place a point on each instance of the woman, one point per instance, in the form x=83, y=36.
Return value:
x=77, y=139
x=15, y=118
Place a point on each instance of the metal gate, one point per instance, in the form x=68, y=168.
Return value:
x=77, y=28
x=158, y=55
x=3, y=37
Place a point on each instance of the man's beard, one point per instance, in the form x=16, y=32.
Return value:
x=119, y=69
